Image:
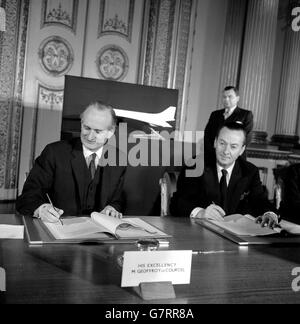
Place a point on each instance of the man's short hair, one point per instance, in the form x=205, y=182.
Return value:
x=235, y=126
x=235, y=89
x=101, y=106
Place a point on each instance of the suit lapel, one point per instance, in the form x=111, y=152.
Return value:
x=105, y=177
x=236, y=187
x=221, y=116
x=79, y=168
x=212, y=186
x=234, y=116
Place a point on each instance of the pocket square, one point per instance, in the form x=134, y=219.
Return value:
x=244, y=195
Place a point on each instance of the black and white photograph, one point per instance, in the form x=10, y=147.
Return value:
x=149, y=154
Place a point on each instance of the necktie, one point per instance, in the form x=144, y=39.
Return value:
x=92, y=166
x=223, y=190
x=226, y=113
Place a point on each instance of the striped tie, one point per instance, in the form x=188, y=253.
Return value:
x=92, y=166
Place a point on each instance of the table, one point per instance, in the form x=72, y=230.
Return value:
x=90, y=274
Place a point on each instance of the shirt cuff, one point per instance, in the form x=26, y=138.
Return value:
x=195, y=212
x=36, y=213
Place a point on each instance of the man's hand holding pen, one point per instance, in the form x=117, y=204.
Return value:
x=49, y=213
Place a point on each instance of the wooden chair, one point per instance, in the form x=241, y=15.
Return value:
x=280, y=174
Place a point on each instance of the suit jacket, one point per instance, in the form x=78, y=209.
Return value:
x=216, y=121
x=245, y=194
x=290, y=205
x=60, y=171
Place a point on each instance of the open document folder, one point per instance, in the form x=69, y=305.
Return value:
x=244, y=226
x=243, y=229
x=101, y=227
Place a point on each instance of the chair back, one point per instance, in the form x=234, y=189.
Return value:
x=168, y=186
x=280, y=174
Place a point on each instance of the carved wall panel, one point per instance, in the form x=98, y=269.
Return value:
x=60, y=13
x=145, y=41
x=55, y=48
x=46, y=116
x=167, y=51
x=116, y=18
x=113, y=63
x=51, y=99
x=56, y=56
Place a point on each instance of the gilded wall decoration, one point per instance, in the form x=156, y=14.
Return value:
x=116, y=18
x=60, y=12
x=112, y=63
x=56, y=56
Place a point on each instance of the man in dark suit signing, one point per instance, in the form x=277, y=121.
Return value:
x=72, y=173
x=231, y=186
x=230, y=113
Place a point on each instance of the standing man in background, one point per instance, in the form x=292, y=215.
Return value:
x=230, y=113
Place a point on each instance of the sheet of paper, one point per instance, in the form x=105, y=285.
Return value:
x=243, y=226
x=290, y=227
x=11, y=232
x=143, y=229
x=108, y=222
x=138, y=228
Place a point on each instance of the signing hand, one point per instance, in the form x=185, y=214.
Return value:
x=49, y=214
x=212, y=212
x=111, y=211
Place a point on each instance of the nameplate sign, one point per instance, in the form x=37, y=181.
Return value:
x=156, y=266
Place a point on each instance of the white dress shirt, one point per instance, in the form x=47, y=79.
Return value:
x=87, y=155
x=229, y=173
x=197, y=210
